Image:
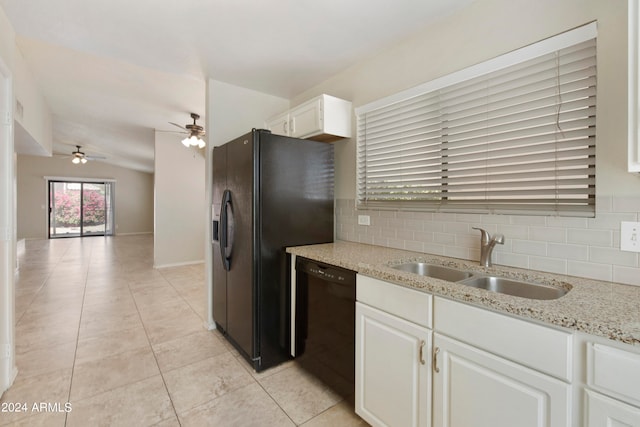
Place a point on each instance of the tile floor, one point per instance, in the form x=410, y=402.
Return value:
x=120, y=343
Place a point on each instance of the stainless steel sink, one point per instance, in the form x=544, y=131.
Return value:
x=435, y=271
x=490, y=283
x=515, y=288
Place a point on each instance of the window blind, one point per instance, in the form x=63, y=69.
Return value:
x=517, y=139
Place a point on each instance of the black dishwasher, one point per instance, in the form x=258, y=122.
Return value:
x=325, y=297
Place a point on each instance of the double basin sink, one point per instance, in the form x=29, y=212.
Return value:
x=490, y=283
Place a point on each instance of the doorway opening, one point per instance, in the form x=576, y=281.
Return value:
x=80, y=209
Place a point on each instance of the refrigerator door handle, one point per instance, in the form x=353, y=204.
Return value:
x=215, y=231
x=230, y=232
x=225, y=251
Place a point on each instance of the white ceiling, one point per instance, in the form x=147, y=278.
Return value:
x=112, y=71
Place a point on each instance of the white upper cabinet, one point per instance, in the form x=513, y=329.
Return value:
x=278, y=124
x=323, y=118
x=307, y=119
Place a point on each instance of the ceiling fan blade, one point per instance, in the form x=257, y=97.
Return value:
x=181, y=127
x=95, y=157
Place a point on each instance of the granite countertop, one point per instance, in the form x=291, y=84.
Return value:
x=605, y=309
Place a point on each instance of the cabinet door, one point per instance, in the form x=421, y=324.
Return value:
x=393, y=370
x=475, y=388
x=604, y=411
x=278, y=125
x=306, y=120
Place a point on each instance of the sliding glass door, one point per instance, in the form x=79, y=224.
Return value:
x=78, y=209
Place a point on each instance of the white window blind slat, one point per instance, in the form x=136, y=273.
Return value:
x=511, y=131
x=565, y=68
x=461, y=176
x=531, y=87
x=518, y=138
x=495, y=109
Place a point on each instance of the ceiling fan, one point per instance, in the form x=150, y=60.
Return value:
x=194, y=131
x=78, y=156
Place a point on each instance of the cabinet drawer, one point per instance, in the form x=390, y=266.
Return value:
x=614, y=372
x=603, y=411
x=406, y=303
x=543, y=349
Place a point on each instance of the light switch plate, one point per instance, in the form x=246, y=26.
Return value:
x=630, y=236
x=364, y=220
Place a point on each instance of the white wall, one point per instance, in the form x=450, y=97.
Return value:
x=179, y=194
x=7, y=40
x=483, y=30
x=8, y=369
x=36, y=120
x=231, y=111
x=133, y=191
x=235, y=110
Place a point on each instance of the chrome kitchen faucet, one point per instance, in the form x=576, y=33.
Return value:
x=487, y=243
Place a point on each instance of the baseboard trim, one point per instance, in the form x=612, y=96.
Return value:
x=210, y=326
x=178, y=264
x=12, y=377
x=137, y=233
x=20, y=248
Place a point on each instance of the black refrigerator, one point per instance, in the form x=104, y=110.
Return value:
x=269, y=192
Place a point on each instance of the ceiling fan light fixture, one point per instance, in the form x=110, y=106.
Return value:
x=193, y=140
x=194, y=132
x=78, y=156
x=189, y=141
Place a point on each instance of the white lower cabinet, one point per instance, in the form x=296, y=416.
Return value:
x=475, y=388
x=493, y=370
x=423, y=360
x=393, y=354
x=612, y=392
x=605, y=411
x=393, y=369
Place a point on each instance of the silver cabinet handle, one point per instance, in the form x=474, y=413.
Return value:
x=435, y=359
x=422, y=344
x=284, y=127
